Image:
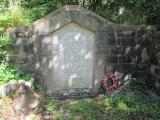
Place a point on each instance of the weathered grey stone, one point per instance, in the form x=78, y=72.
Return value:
x=8, y=89
x=119, y=75
x=26, y=99
x=30, y=117
x=158, y=57
x=144, y=55
x=26, y=83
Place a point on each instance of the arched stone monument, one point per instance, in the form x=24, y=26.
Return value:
x=65, y=48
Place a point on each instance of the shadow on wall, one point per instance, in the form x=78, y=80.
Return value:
x=64, y=57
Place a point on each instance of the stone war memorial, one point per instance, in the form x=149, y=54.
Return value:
x=72, y=47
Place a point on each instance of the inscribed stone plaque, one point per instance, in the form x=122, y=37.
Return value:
x=73, y=57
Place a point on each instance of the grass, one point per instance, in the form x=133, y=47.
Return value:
x=131, y=105
x=113, y=107
x=84, y=109
x=134, y=102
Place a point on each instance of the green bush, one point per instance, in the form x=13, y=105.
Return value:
x=131, y=103
x=5, y=47
x=88, y=109
x=4, y=41
x=52, y=106
x=9, y=72
x=11, y=15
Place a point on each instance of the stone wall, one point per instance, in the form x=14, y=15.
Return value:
x=154, y=48
x=135, y=50
x=126, y=49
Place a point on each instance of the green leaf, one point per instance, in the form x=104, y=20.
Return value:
x=4, y=41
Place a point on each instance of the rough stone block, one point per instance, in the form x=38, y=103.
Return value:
x=117, y=49
x=128, y=59
x=122, y=59
x=113, y=59
x=111, y=41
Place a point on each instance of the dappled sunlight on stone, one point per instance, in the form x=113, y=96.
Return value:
x=76, y=37
x=50, y=64
x=19, y=41
x=88, y=56
x=55, y=40
x=71, y=78
x=70, y=46
x=55, y=62
x=62, y=44
x=100, y=62
x=82, y=52
x=44, y=60
x=57, y=25
x=73, y=40
x=37, y=65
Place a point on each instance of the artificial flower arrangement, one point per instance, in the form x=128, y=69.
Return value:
x=110, y=82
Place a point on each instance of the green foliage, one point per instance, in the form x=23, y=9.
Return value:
x=131, y=104
x=117, y=106
x=5, y=41
x=12, y=18
x=52, y=106
x=118, y=11
x=87, y=109
x=137, y=101
x=131, y=11
x=10, y=72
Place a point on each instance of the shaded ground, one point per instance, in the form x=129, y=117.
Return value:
x=7, y=112
x=130, y=103
x=128, y=106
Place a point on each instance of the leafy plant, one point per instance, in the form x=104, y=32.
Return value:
x=5, y=45
x=132, y=103
x=9, y=72
x=4, y=41
x=52, y=106
x=88, y=109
